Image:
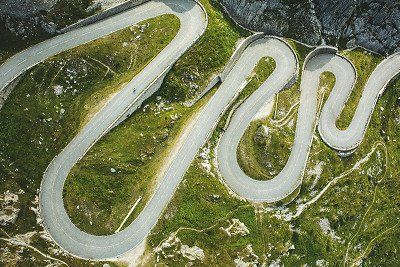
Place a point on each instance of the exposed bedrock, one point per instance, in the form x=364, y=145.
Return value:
x=373, y=24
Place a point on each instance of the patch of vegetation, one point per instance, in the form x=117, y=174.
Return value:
x=97, y=199
x=53, y=100
x=196, y=68
x=124, y=166
x=265, y=146
x=346, y=206
x=13, y=254
x=365, y=62
x=250, y=144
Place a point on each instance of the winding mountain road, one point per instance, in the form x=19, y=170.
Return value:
x=57, y=223
x=193, y=23
x=290, y=178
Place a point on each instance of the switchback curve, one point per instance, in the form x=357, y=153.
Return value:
x=290, y=178
x=85, y=245
x=56, y=221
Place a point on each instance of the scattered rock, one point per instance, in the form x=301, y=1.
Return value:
x=172, y=247
x=236, y=227
x=23, y=8
x=275, y=263
x=261, y=136
x=192, y=253
x=58, y=89
x=247, y=258
x=205, y=156
x=8, y=213
x=321, y=263
x=327, y=230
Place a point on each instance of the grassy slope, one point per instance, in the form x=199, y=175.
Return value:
x=247, y=143
x=36, y=123
x=364, y=62
x=363, y=224
x=138, y=147
x=263, y=161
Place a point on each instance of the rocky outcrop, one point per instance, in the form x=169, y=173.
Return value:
x=23, y=22
x=24, y=8
x=373, y=24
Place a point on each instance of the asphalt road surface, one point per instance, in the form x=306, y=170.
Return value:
x=193, y=23
x=57, y=223
x=290, y=178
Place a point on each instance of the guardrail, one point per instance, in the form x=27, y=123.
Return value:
x=325, y=49
x=295, y=76
x=392, y=78
x=6, y=91
x=238, y=53
x=228, y=67
x=331, y=50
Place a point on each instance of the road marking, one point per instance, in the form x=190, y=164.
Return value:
x=129, y=214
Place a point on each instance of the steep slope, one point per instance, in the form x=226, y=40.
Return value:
x=373, y=24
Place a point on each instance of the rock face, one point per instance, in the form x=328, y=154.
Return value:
x=373, y=24
x=23, y=19
x=24, y=8
x=27, y=21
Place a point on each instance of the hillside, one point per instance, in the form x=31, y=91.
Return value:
x=373, y=24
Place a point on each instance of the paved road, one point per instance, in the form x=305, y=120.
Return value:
x=56, y=220
x=349, y=139
x=193, y=22
x=289, y=179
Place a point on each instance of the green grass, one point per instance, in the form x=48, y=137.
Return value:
x=248, y=146
x=363, y=212
x=365, y=63
x=202, y=201
x=195, y=69
x=138, y=148
x=263, y=159
x=36, y=123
